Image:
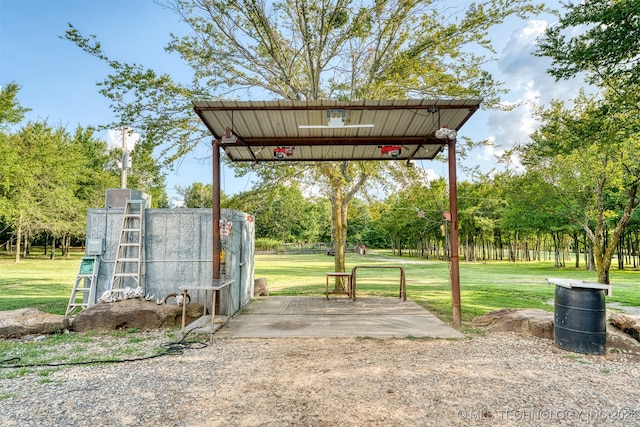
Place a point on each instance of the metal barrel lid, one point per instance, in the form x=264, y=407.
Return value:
x=574, y=283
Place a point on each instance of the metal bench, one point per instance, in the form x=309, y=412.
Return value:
x=403, y=285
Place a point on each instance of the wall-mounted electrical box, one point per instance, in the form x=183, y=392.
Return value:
x=95, y=246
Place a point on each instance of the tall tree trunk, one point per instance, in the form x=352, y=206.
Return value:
x=25, y=244
x=339, y=207
x=18, y=239
x=605, y=243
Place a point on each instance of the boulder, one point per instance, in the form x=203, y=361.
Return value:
x=29, y=321
x=134, y=313
x=622, y=321
x=626, y=323
x=260, y=287
x=619, y=339
x=535, y=322
x=634, y=331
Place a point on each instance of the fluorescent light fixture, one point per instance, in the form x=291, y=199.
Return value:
x=335, y=119
x=329, y=127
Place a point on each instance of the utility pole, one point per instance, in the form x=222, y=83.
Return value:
x=125, y=158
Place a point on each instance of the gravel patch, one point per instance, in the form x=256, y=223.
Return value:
x=500, y=379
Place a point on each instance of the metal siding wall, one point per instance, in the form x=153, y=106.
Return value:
x=178, y=250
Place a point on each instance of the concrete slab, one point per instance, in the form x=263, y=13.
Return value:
x=375, y=317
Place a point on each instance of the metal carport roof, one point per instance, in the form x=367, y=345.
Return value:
x=332, y=130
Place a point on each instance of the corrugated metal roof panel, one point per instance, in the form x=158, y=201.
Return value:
x=263, y=126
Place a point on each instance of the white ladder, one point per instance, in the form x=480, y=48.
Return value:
x=129, y=262
x=85, y=285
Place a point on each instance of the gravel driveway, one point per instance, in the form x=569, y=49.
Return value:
x=500, y=379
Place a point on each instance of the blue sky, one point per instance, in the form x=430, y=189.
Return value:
x=58, y=80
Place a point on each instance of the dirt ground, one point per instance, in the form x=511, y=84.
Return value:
x=498, y=379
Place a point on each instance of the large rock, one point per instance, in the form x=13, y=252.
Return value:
x=626, y=323
x=28, y=321
x=622, y=321
x=260, y=288
x=134, y=313
x=621, y=340
x=538, y=323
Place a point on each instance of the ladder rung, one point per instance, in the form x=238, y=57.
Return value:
x=130, y=237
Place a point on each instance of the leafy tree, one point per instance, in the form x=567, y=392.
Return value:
x=372, y=233
x=359, y=217
x=303, y=49
x=11, y=112
x=589, y=156
x=479, y=206
x=532, y=210
x=412, y=215
x=599, y=37
x=279, y=214
x=40, y=194
x=198, y=195
x=597, y=139
x=98, y=168
x=49, y=179
x=315, y=222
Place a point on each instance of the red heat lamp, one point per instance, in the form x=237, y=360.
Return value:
x=282, y=152
x=392, y=150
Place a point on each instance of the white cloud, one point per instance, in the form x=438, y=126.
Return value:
x=529, y=85
x=517, y=63
x=488, y=153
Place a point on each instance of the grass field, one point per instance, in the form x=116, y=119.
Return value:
x=46, y=284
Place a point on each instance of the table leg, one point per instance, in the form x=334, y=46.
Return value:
x=213, y=309
x=327, y=290
x=213, y=316
x=353, y=286
x=184, y=309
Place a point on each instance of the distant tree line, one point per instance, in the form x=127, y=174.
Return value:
x=506, y=217
x=49, y=177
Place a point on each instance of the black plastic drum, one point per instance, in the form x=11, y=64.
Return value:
x=580, y=323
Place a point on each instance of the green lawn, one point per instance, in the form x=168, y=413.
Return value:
x=37, y=282
x=46, y=284
x=484, y=286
